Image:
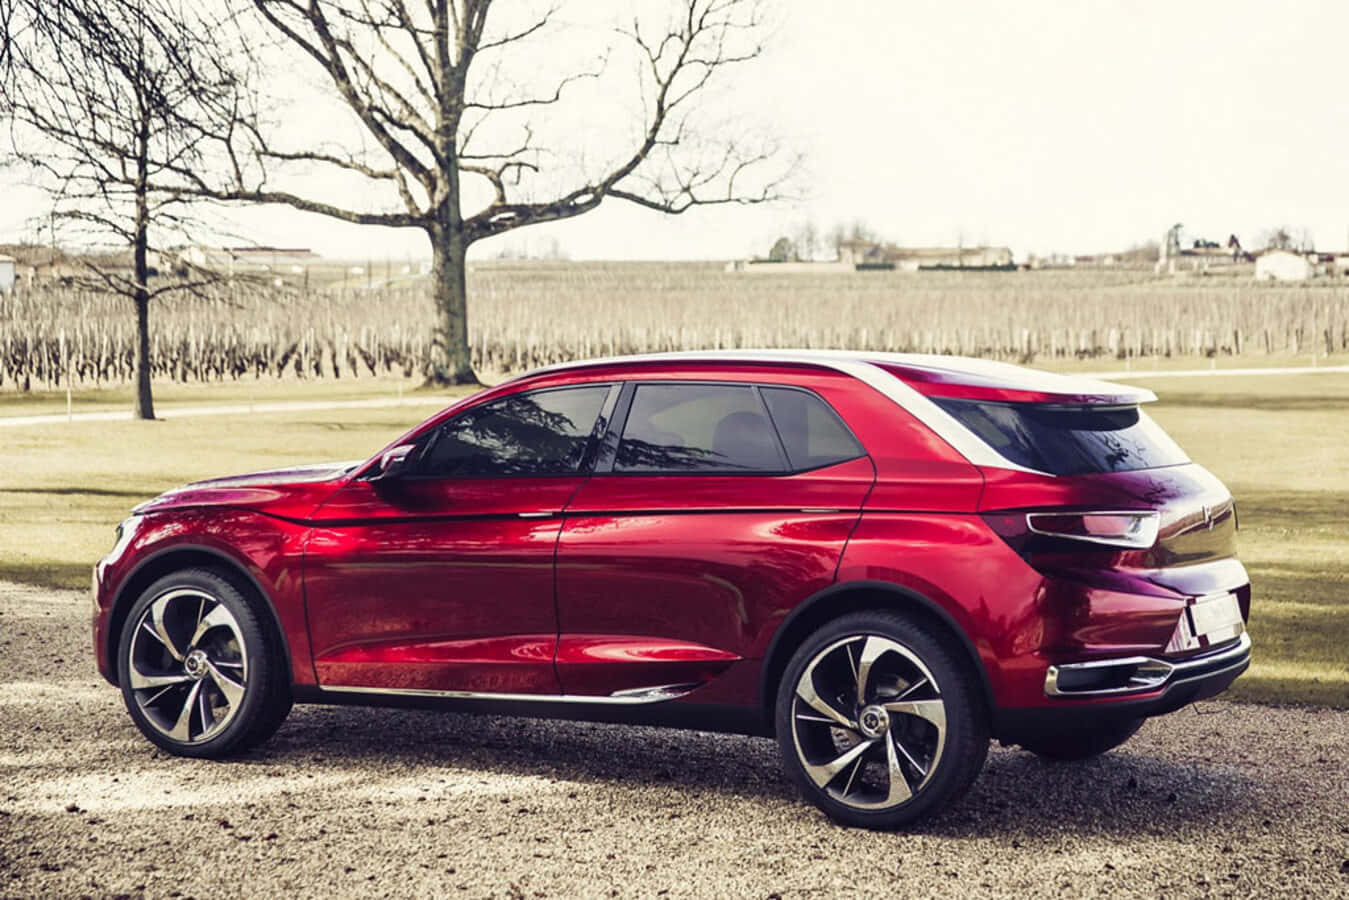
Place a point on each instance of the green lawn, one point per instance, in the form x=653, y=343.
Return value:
x=1279, y=442
x=168, y=394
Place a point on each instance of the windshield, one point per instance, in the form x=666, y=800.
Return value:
x=1068, y=440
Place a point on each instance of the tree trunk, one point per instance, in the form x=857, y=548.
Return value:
x=140, y=251
x=145, y=405
x=451, y=362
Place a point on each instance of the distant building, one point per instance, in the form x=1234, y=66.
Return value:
x=1336, y=263
x=766, y=267
x=33, y=263
x=1284, y=265
x=281, y=260
x=8, y=272
x=870, y=254
x=1095, y=259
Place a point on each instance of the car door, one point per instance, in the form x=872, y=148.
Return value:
x=700, y=529
x=441, y=579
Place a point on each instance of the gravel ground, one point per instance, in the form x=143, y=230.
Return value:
x=1221, y=800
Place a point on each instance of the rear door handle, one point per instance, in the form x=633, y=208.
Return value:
x=541, y=514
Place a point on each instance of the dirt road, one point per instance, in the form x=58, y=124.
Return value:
x=1239, y=800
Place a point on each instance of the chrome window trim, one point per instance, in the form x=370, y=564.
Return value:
x=946, y=426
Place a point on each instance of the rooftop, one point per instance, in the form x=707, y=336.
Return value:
x=927, y=374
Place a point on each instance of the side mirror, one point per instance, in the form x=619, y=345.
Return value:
x=394, y=463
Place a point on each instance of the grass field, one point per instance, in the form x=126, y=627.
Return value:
x=1279, y=442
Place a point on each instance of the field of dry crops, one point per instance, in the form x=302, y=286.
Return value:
x=533, y=313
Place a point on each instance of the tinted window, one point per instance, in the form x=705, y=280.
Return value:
x=1068, y=440
x=811, y=432
x=698, y=428
x=540, y=433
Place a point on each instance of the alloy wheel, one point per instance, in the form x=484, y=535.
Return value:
x=868, y=722
x=187, y=665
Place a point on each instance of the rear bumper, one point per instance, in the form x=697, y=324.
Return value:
x=1181, y=683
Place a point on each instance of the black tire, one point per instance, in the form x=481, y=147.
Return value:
x=209, y=680
x=935, y=743
x=1071, y=746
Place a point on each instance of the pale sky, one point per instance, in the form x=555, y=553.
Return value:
x=1044, y=126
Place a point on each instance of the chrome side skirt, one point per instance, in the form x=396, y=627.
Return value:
x=629, y=697
x=1139, y=674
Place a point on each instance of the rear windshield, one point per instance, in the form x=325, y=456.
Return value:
x=1068, y=440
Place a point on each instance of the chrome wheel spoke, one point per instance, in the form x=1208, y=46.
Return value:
x=911, y=688
x=807, y=693
x=872, y=649
x=933, y=711
x=819, y=720
x=140, y=681
x=852, y=776
x=922, y=772
x=157, y=629
x=182, y=728
x=216, y=618
x=899, y=784
x=827, y=772
x=207, y=720
x=233, y=690
x=149, y=701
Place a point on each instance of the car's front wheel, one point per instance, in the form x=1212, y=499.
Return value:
x=197, y=671
x=880, y=723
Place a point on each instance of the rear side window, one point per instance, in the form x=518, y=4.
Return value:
x=698, y=428
x=539, y=433
x=1076, y=440
x=812, y=434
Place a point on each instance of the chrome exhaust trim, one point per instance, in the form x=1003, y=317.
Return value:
x=1138, y=674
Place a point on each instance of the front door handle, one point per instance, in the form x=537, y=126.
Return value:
x=541, y=514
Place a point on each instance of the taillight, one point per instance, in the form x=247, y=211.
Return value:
x=1048, y=530
x=1132, y=530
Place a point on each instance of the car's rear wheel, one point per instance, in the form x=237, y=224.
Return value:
x=199, y=674
x=1084, y=743
x=879, y=722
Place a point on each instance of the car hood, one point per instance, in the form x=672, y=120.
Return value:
x=293, y=492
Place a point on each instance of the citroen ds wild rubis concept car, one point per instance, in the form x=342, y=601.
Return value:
x=881, y=560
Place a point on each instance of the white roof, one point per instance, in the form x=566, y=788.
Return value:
x=1006, y=375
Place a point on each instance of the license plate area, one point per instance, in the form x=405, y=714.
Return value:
x=1215, y=618
x=1216, y=615
x=1206, y=622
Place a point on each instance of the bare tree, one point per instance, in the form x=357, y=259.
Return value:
x=476, y=131
x=106, y=100
x=807, y=239
x=846, y=232
x=1278, y=238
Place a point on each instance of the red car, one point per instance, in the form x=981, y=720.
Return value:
x=883, y=560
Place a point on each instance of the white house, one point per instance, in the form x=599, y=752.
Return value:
x=1283, y=265
x=7, y=268
x=293, y=260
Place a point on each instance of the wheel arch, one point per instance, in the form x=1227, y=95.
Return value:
x=192, y=556
x=840, y=599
